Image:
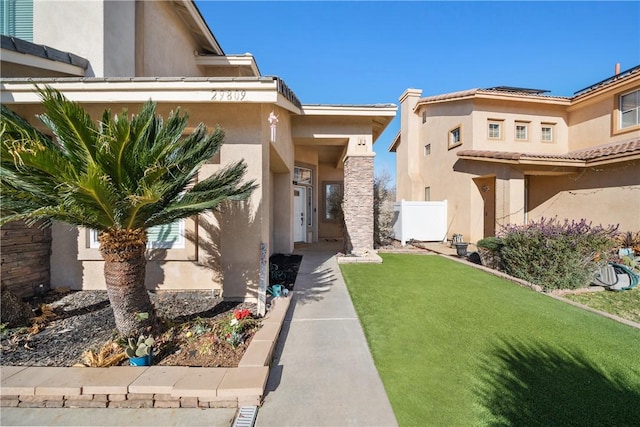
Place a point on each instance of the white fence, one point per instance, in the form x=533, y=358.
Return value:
x=423, y=221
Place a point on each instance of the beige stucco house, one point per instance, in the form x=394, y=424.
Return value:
x=119, y=54
x=511, y=155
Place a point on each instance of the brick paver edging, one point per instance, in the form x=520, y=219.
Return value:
x=149, y=387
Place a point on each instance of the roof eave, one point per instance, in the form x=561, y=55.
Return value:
x=576, y=163
x=203, y=30
x=395, y=143
x=32, y=61
x=246, y=61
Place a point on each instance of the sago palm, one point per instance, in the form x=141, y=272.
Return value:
x=119, y=176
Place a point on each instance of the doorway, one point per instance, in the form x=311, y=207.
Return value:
x=487, y=188
x=299, y=214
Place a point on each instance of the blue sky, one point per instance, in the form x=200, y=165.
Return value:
x=370, y=52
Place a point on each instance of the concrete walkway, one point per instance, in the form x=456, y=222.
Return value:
x=323, y=373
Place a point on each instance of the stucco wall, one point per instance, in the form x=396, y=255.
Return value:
x=103, y=33
x=604, y=195
x=164, y=46
x=228, y=243
x=119, y=38
x=437, y=168
x=533, y=115
x=594, y=120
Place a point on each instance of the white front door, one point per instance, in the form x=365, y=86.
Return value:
x=299, y=214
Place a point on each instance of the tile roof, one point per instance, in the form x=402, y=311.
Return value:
x=491, y=91
x=529, y=93
x=607, y=151
x=607, y=81
x=22, y=46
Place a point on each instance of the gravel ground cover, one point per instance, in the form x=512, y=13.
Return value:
x=84, y=320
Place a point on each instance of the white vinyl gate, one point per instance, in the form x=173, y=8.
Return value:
x=423, y=221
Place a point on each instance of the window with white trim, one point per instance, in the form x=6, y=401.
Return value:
x=630, y=109
x=522, y=131
x=494, y=129
x=455, y=137
x=547, y=130
x=168, y=236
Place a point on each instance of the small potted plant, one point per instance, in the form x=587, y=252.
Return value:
x=140, y=352
x=460, y=245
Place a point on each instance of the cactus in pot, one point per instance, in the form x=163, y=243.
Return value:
x=143, y=347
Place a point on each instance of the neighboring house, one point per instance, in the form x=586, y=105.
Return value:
x=298, y=154
x=511, y=155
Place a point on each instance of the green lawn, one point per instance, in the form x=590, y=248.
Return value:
x=456, y=346
x=624, y=304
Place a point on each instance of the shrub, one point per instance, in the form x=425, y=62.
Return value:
x=494, y=244
x=553, y=254
x=490, y=248
x=383, y=197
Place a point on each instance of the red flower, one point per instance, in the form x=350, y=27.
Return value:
x=241, y=314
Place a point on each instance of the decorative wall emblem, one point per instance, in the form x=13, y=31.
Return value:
x=273, y=124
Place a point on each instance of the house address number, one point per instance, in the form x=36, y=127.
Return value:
x=228, y=95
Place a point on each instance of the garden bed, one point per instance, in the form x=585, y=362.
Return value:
x=83, y=320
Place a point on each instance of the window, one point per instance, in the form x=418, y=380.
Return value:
x=427, y=194
x=427, y=149
x=309, y=206
x=522, y=131
x=424, y=116
x=630, y=109
x=495, y=129
x=16, y=18
x=302, y=175
x=332, y=201
x=547, y=132
x=455, y=137
x=170, y=236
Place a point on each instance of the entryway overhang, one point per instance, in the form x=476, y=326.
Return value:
x=176, y=90
x=328, y=129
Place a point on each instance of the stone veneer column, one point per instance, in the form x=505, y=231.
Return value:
x=358, y=203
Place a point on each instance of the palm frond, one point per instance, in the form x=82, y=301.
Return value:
x=127, y=172
x=224, y=185
x=72, y=126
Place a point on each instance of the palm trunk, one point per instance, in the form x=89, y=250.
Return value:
x=124, y=270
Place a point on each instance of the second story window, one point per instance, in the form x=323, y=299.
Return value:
x=522, y=131
x=16, y=19
x=494, y=129
x=455, y=137
x=427, y=149
x=630, y=109
x=546, y=132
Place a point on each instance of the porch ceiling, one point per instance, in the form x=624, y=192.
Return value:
x=329, y=149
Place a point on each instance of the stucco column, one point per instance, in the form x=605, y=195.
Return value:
x=510, y=197
x=358, y=202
